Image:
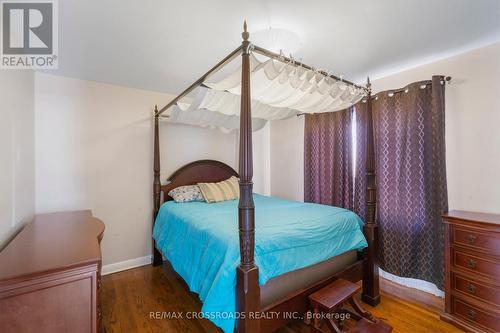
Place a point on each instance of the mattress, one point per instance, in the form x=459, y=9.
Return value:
x=201, y=242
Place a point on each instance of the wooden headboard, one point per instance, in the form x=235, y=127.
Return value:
x=202, y=171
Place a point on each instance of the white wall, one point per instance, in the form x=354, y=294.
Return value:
x=94, y=150
x=261, y=140
x=198, y=143
x=472, y=134
x=287, y=158
x=16, y=151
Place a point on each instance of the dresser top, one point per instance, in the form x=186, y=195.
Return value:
x=52, y=242
x=473, y=216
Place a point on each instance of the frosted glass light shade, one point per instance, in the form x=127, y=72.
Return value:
x=275, y=39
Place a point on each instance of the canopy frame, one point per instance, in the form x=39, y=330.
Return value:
x=260, y=50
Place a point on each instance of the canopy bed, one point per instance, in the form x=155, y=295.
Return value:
x=281, y=88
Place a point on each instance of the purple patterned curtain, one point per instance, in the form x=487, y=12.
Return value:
x=411, y=179
x=328, y=159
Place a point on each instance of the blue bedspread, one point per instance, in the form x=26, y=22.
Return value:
x=201, y=242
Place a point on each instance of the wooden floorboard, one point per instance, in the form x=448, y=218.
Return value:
x=131, y=299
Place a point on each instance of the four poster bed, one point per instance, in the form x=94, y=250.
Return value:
x=282, y=285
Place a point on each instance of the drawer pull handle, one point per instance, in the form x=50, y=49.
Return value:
x=471, y=263
x=471, y=288
x=472, y=239
x=471, y=314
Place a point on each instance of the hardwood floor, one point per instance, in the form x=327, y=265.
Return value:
x=131, y=300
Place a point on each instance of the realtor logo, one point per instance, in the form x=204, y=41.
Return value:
x=29, y=34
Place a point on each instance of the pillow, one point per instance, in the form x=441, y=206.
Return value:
x=186, y=193
x=228, y=189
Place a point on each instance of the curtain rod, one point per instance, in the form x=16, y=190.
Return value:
x=400, y=90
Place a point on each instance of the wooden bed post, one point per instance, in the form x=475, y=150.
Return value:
x=157, y=258
x=371, y=293
x=247, y=273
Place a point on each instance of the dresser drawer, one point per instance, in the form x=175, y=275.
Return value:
x=472, y=257
x=486, y=267
x=488, y=320
x=489, y=243
x=481, y=291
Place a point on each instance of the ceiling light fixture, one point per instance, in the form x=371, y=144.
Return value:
x=276, y=40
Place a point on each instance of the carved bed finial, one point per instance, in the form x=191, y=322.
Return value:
x=368, y=84
x=245, y=33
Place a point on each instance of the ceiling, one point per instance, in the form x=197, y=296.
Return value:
x=165, y=45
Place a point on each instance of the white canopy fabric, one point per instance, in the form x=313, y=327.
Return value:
x=203, y=111
x=279, y=91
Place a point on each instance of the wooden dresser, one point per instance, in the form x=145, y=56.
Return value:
x=472, y=281
x=50, y=276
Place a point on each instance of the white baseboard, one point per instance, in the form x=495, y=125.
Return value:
x=422, y=285
x=124, y=265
